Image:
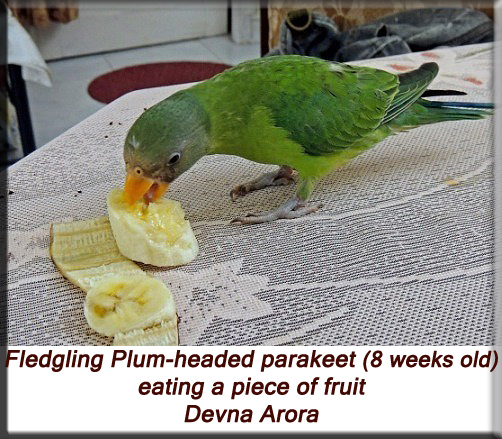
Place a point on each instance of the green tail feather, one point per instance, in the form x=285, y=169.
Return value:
x=426, y=112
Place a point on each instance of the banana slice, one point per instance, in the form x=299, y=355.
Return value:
x=121, y=304
x=157, y=234
x=121, y=297
x=163, y=334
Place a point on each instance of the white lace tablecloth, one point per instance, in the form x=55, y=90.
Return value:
x=401, y=252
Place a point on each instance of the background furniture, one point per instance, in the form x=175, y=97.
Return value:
x=19, y=98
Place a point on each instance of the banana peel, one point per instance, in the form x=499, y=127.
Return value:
x=85, y=252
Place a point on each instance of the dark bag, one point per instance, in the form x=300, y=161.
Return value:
x=313, y=34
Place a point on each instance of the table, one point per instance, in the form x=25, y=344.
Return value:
x=400, y=254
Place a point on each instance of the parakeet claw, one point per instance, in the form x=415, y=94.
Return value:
x=293, y=208
x=284, y=176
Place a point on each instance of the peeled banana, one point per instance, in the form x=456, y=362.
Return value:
x=120, y=304
x=122, y=300
x=156, y=234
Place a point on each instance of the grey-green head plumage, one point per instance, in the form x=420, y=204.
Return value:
x=169, y=137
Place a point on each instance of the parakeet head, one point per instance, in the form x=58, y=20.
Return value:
x=164, y=142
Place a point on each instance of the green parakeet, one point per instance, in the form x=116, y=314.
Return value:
x=304, y=114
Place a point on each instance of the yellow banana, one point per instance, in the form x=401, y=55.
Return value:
x=156, y=234
x=123, y=303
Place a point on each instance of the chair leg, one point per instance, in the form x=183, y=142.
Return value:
x=264, y=27
x=19, y=98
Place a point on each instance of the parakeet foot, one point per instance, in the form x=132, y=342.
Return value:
x=293, y=208
x=284, y=176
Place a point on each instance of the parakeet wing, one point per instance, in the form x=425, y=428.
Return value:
x=334, y=106
x=411, y=86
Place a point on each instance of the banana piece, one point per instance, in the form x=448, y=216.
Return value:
x=85, y=252
x=123, y=303
x=90, y=277
x=121, y=298
x=157, y=234
x=163, y=334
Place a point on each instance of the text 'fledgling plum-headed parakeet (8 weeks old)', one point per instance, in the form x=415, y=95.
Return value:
x=304, y=114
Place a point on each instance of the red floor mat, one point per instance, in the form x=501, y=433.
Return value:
x=110, y=86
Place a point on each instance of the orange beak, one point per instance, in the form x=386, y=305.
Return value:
x=137, y=186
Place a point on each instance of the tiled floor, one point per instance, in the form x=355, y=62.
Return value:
x=66, y=103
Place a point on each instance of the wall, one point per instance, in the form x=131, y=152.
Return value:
x=107, y=26
x=245, y=21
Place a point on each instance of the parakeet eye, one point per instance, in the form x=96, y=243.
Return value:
x=174, y=158
x=138, y=170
